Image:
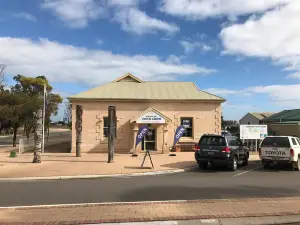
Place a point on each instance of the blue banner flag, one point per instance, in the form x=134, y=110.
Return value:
x=178, y=134
x=141, y=133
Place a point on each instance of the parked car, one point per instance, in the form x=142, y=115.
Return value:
x=221, y=150
x=226, y=133
x=280, y=150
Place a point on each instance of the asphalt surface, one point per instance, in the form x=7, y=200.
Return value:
x=250, y=181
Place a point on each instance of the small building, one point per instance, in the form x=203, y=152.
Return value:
x=283, y=123
x=137, y=102
x=254, y=118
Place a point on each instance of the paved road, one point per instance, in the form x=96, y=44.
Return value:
x=211, y=184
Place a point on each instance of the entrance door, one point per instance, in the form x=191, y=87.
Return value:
x=149, y=141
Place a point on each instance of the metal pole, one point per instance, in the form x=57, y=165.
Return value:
x=256, y=145
x=44, y=113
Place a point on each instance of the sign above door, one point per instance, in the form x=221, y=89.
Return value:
x=151, y=117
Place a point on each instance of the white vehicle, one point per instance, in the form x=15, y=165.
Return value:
x=280, y=150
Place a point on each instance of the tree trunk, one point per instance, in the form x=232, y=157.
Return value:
x=111, y=133
x=38, y=136
x=15, y=136
x=48, y=131
x=79, y=112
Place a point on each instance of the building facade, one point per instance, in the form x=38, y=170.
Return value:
x=254, y=118
x=163, y=106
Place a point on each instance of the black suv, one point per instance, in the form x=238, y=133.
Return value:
x=221, y=150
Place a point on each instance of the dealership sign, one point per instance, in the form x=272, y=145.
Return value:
x=151, y=117
x=253, y=131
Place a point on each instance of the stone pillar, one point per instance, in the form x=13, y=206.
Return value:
x=165, y=148
x=134, y=133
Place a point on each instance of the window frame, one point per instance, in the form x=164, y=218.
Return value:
x=191, y=127
x=103, y=127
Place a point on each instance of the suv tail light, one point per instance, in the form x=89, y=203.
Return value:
x=292, y=153
x=196, y=147
x=226, y=150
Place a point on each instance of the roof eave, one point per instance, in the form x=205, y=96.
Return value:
x=123, y=99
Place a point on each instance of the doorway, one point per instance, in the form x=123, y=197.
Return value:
x=149, y=141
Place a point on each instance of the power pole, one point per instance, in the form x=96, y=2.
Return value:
x=111, y=133
x=78, y=126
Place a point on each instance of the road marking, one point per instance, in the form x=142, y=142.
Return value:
x=143, y=223
x=239, y=174
x=91, y=204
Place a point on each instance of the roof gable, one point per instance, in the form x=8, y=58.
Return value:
x=148, y=112
x=128, y=78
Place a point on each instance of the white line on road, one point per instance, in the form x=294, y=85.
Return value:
x=239, y=174
x=91, y=204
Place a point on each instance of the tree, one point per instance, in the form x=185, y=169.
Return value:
x=68, y=114
x=38, y=116
x=2, y=77
x=222, y=122
x=34, y=87
x=15, y=107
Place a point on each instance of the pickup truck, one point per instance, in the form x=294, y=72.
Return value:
x=280, y=150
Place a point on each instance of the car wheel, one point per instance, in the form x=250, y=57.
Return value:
x=297, y=166
x=202, y=165
x=246, y=162
x=234, y=164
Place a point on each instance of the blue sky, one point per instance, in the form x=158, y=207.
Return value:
x=247, y=53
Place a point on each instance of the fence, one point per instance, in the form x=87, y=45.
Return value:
x=27, y=144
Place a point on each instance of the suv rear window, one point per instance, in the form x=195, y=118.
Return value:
x=212, y=140
x=276, y=141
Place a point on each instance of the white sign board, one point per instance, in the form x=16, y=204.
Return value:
x=253, y=131
x=151, y=117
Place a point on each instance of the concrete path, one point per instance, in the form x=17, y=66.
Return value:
x=66, y=164
x=152, y=211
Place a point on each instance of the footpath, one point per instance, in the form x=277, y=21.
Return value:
x=246, y=210
x=91, y=165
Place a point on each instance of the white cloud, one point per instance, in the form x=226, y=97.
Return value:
x=25, y=16
x=274, y=35
x=173, y=59
x=123, y=3
x=295, y=75
x=75, y=13
x=285, y=95
x=190, y=47
x=222, y=91
x=67, y=63
x=135, y=21
x=202, y=9
x=78, y=13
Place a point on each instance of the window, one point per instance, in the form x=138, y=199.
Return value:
x=276, y=142
x=105, y=127
x=211, y=140
x=298, y=141
x=294, y=141
x=187, y=123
